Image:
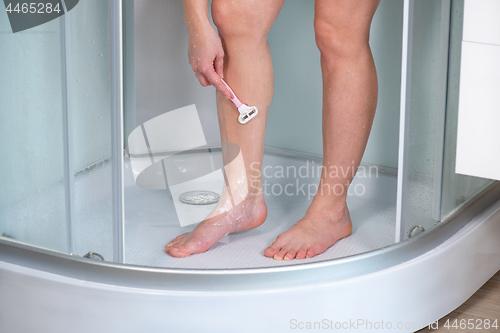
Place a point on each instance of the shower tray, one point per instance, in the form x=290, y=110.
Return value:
x=363, y=280
x=151, y=221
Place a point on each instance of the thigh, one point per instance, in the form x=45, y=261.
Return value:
x=351, y=17
x=241, y=16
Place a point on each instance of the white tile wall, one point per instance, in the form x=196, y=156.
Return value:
x=478, y=139
x=482, y=21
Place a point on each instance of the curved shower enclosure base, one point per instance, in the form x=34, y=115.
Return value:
x=406, y=286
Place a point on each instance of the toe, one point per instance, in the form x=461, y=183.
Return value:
x=291, y=254
x=310, y=253
x=275, y=247
x=188, y=246
x=180, y=236
x=176, y=240
x=301, y=254
x=172, y=244
x=179, y=251
x=281, y=254
x=272, y=250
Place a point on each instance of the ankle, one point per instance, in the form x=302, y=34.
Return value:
x=329, y=207
x=330, y=202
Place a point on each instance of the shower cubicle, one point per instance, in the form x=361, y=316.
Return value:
x=97, y=103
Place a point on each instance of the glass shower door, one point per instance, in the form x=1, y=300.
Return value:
x=457, y=189
x=432, y=189
x=32, y=199
x=56, y=124
x=424, y=110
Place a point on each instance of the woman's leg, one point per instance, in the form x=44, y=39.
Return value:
x=243, y=26
x=349, y=100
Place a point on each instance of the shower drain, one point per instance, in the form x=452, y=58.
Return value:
x=94, y=255
x=199, y=197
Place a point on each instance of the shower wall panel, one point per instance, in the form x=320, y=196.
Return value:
x=295, y=115
x=163, y=77
x=89, y=95
x=31, y=162
x=428, y=82
x=88, y=54
x=55, y=93
x=165, y=81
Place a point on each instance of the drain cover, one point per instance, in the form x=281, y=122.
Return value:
x=199, y=197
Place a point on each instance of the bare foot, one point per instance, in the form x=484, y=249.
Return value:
x=248, y=214
x=319, y=229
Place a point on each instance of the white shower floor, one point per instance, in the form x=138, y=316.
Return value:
x=151, y=222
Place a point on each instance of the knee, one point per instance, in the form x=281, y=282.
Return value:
x=338, y=39
x=239, y=20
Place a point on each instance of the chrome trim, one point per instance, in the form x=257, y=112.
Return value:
x=439, y=153
x=117, y=148
x=404, y=118
x=69, y=179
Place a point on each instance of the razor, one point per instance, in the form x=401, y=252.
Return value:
x=246, y=112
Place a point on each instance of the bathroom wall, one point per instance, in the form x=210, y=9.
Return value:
x=164, y=80
x=478, y=152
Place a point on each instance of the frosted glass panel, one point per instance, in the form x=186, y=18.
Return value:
x=429, y=72
x=457, y=189
x=434, y=190
x=66, y=59
x=89, y=94
x=31, y=147
x=89, y=84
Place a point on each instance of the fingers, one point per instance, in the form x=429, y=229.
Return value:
x=203, y=80
x=219, y=69
x=211, y=75
x=219, y=65
x=215, y=80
